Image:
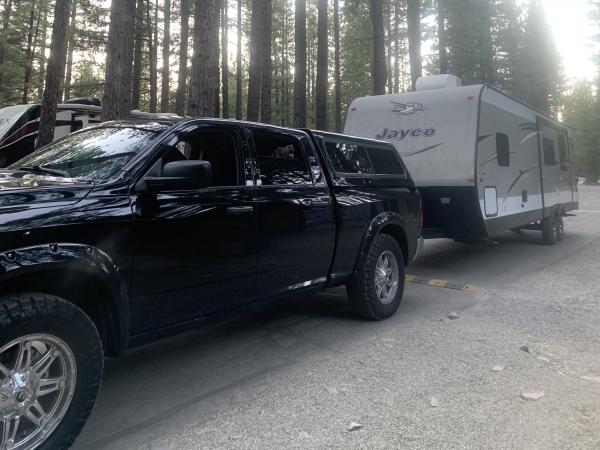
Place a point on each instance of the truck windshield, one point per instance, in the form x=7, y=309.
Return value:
x=9, y=116
x=97, y=154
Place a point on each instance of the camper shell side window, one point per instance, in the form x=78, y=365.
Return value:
x=356, y=158
x=502, y=150
x=549, y=155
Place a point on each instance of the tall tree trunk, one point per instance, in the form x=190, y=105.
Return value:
x=42, y=63
x=266, y=66
x=54, y=73
x=389, y=43
x=164, y=87
x=183, y=58
x=30, y=51
x=116, y=103
x=137, y=55
x=489, y=71
x=203, y=83
x=215, y=24
x=300, y=65
x=238, y=75
x=413, y=17
x=337, y=66
x=379, y=69
x=256, y=59
x=442, y=44
x=322, y=56
x=71, y=34
x=225, y=59
x=3, y=35
x=153, y=54
x=396, y=45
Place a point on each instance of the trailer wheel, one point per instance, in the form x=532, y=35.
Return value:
x=553, y=228
x=50, y=370
x=375, y=293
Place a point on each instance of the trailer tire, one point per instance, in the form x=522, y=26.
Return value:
x=376, y=291
x=53, y=351
x=553, y=228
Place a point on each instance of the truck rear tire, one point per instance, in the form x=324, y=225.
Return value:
x=375, y=293
x=50, y=371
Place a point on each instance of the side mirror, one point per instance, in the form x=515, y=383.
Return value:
x=181, y=175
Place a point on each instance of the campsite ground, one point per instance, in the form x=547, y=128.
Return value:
x=299, y=375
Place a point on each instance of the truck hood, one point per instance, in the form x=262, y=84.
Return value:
x=20, y=189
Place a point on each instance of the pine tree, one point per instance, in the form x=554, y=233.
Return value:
x=166, y=45
x=183, y=57
x=322, y=72
x=300, y=65
x=54, y=72
x=379, y=65
x=256, y=59
x=414, y=39
x=116, y=103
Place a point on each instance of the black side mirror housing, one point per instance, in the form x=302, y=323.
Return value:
x=181, y=175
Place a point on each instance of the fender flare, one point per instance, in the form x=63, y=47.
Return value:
x=85, y=259
x=373, y=229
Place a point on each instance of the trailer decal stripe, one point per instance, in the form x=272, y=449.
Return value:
x=446, y=284
x=521, y=173
x=423, y=150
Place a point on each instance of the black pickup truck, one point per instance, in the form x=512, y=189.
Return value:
x=130, y=231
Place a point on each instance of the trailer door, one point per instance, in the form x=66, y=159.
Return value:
x=556, y=176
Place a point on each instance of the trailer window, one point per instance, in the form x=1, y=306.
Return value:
x=502, y=150
x=385, y=161
x=348, y=158
x=549, y=156
x=562, y=152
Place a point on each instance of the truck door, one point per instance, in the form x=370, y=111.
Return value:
x=295, y=213
x=195, y=250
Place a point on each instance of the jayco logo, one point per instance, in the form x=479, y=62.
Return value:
x=400, y=135
x=404, y=109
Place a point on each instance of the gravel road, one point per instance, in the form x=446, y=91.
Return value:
x=309, y=375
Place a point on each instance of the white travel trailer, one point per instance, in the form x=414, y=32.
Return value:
x=484, y=162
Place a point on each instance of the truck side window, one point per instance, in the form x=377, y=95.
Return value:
x=502, y=150
x=385, y=161
x=348, y=158
x=280, y=159
x=549, y=156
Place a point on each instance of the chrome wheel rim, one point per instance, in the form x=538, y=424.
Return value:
x=387, y=277
x=38, y=374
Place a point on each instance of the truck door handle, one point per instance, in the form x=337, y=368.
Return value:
x=240, y=210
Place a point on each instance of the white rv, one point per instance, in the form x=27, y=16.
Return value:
x=484, y=162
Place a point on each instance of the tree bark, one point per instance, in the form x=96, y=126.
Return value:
x=414, y=39
x=266, y=66
x=396, y=45
x=215, y=23
x=379, y=71
x=238, y=76
x=30, y=51
x=71, y=34
x=3, y=32
x=225, y=59
x=254, y=68
x=153, y=55
x=116, y=103
x=164, y=87
x=44, y=8
x=54, y=73
x=183, y=58
x=442, y=44
x=322, y=50
x=137, y=55
x=203, y=82
x=337, y=66
x=300, y=65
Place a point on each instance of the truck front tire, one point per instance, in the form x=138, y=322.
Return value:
x=376, y=291
x=51, y=363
